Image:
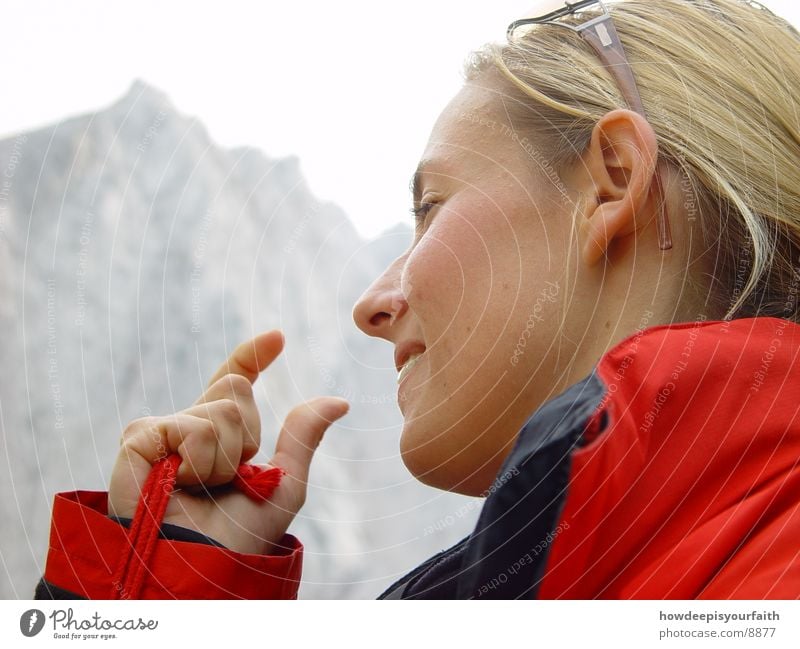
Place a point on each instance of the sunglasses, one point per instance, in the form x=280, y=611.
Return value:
x=600, y=33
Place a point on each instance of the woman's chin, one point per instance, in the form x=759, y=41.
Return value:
x=436, y=466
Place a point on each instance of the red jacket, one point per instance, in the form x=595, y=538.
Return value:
x=671, y=471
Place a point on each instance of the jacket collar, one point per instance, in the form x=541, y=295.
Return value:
x=685, y=489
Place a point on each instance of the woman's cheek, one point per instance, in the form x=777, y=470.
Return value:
x=434, y=273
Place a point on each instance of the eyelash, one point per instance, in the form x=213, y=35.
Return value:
x=421, y=212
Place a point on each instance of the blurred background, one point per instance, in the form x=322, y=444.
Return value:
x=175, y=178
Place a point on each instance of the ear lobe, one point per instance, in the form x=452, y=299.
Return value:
x=606, y=223
x=621, y=161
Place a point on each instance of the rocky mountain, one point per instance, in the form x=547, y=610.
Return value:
x=135, y=254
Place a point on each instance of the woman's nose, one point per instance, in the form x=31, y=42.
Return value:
x=382, y=303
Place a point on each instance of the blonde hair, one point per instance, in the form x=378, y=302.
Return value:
x=720, y=83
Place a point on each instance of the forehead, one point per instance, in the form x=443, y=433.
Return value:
x=474, y=124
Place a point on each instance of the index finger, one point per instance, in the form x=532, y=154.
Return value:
x=252, y=357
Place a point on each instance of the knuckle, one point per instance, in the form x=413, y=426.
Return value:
x=225, y=473
x=201, y=471
x=207, y=432
x=250, y=445
x=199, y=458
x=140, y=434
x=229, y=410
x=205, y=470
x=137, y=426
x=239, y=384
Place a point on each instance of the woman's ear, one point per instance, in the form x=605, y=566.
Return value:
x=619, y=164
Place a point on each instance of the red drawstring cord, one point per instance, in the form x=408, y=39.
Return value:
x=256, y=482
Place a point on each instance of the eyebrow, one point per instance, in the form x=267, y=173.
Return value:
x=415, y=185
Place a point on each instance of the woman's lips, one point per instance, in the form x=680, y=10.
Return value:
x=410, y=363
x=402, y=380
x=405, y=350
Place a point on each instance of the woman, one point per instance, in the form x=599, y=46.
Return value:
x=595, y=328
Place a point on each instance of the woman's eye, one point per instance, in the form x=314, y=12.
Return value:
x=420, y=212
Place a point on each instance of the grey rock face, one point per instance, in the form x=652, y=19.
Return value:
x=135, y=255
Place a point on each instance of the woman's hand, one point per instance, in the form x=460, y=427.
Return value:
x=221, y=430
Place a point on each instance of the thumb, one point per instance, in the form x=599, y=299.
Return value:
x=302, y=432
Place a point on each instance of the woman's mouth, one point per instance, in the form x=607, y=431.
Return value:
x=412, y=360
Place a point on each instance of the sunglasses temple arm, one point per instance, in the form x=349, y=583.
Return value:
x=664, y=233
x=603, y=38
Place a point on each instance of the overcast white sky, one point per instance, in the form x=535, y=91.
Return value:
x=352, y=88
